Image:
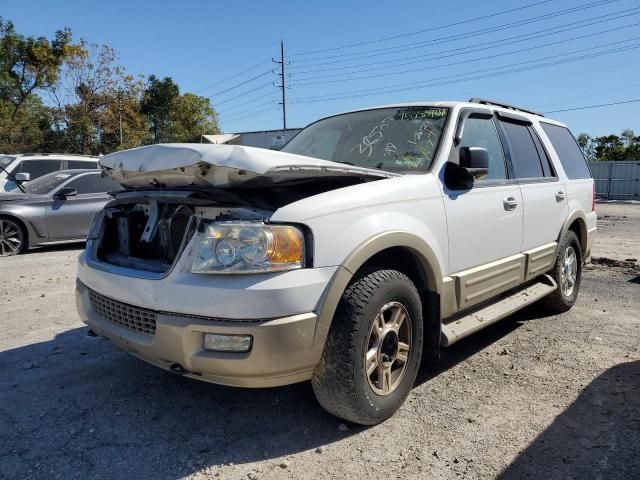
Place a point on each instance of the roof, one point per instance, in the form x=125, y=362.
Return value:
x=56, y=156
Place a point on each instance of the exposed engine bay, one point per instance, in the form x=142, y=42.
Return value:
x=148, y=229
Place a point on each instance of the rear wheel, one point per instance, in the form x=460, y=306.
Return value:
x=12, y=237
x=373, y=349
x=567, y=273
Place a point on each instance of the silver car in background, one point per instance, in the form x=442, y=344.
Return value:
x=20, y=168
x=55, y=208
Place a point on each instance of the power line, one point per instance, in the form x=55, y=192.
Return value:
x=247, y=101
x=235, y=75
x=240, y=95
x=449, y=38
x=251, y=108
x=469, y=49
x=252, y=115
x=241, y=84
x=462, y=22
x=467, y=76
x=585, y=107
x=459, y=62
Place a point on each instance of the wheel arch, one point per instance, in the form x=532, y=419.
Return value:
x=401, y=251
x=577, y=222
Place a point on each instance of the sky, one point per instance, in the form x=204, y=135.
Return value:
x=544, y=55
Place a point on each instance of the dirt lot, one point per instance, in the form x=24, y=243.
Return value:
x=533, y=396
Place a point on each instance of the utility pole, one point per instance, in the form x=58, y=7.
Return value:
x=120, y=114
x=283, y=85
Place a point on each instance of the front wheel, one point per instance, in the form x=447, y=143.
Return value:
x=567, y=273
x=12, y=237
x=373, y=349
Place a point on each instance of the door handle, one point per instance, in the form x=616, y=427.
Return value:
x=510, y=203
x=560, y=195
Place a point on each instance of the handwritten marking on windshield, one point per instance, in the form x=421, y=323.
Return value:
x=373, y=137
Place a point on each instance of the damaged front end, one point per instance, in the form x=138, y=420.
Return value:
x=215, y=200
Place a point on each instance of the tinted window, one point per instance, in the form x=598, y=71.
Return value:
x=37, y=168
x=94, y=183
x=481, y=132
x=542, y=153
x=524, y=154
x=568, y=151
x=81, y=164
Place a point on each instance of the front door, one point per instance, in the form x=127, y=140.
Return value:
x=484, y=223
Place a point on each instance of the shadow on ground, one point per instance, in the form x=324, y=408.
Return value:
x=597, y=437
x=75, y=407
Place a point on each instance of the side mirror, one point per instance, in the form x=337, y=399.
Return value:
x=473, y=163
x=22, y=177
x=475, y=160
x=66, y=192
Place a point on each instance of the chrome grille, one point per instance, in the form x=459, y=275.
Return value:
x=132, y=318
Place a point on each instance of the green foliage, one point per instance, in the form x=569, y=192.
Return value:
x=191, y=116
x=65, y=97
x=28, y=63
x=611, y=147
x=156, y=106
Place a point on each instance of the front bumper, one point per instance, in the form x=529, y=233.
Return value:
x=283, y=349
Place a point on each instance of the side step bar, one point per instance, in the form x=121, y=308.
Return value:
x=464, y=326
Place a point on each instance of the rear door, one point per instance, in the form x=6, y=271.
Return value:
x=38, y=166
x=543, y=194
x=70, y=218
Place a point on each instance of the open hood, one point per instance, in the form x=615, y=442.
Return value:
x=220, y=166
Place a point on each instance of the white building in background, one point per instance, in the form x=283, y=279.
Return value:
x=270, y=139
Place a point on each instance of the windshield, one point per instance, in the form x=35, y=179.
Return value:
x=46, y=183
x=396, y=139
x=5, y=160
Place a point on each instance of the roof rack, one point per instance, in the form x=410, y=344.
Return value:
x=485, y=101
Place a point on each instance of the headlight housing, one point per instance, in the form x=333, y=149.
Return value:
x=249, y=248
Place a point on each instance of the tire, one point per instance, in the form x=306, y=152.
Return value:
x=13, y=237
x=369, y=321
x=563, y=298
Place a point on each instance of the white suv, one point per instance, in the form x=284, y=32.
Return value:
x=24, y=167
x=372, y=238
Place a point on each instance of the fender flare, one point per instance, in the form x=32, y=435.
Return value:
x=583, y=238
x=357, y=258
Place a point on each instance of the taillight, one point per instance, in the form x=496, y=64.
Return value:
x=593, y=198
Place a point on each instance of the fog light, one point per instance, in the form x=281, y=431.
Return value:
x=227, y=343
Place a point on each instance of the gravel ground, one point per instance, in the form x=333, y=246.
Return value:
x=533, y=396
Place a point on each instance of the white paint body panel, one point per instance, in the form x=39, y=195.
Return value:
x=544, y=215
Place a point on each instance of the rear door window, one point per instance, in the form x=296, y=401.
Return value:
x=37, y=168
x=77, y=164
x=524, y=154
x=569, y=153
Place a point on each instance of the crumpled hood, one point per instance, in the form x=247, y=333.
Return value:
x=221, y=166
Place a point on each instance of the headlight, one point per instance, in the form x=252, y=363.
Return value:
x=249, y=248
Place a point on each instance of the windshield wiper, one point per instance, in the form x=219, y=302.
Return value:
x=13, y=179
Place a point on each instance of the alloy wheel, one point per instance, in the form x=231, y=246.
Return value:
x=569, y=272
x=11, y=238
x=388, y=348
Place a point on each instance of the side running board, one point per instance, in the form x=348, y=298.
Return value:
x=461, y=327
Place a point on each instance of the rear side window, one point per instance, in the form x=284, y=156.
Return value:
x=524, y=154
x=81, y=164
x=94, y=183
x=569, y=153
x=37, y=168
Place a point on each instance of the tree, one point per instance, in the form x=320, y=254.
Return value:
x=96, y=100
x=190, y=117
x=586, y=144
x=28, y=64
x=30, y=129
x=156, y=105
